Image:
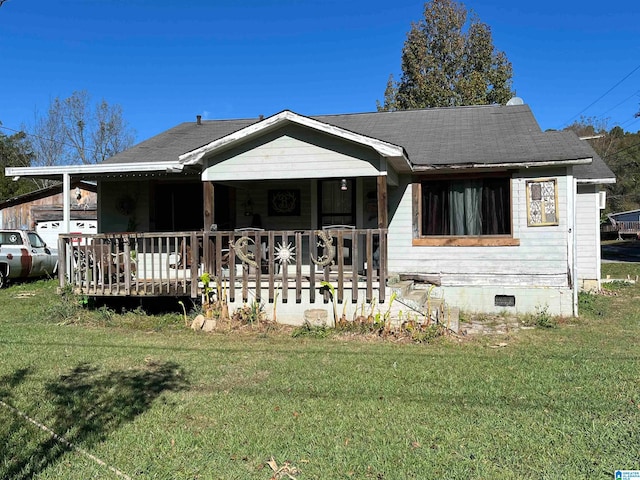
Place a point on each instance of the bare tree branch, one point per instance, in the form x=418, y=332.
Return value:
x=75, y=132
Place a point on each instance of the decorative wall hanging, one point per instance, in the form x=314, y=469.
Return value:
x=285, y=253
x=328, y=250
x=241, y=249
x=284, y=203
x=542, y=202
x=126, y=204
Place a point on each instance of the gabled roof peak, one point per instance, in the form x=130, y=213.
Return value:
x=385, y=149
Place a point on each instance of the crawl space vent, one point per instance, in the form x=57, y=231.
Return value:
x=505, y=301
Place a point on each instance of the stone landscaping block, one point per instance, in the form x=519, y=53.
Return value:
x=198, y=322
x=316, y=317
x=209, y=325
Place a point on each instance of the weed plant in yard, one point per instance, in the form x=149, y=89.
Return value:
x=158, y=401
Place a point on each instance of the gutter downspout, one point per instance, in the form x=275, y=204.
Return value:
x=572, y=188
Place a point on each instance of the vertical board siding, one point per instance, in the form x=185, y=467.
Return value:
x=25, y=214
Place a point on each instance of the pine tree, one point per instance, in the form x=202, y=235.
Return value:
x=447, y=61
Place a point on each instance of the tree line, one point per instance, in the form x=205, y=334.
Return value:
x=72, y=131
x=620, y=150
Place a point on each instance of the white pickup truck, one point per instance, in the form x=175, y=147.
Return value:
x=23, y=254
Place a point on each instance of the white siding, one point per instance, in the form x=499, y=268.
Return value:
x=541, y=261
x=588, y=236
x=293, y=153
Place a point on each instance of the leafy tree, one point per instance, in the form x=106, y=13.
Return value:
x=449, y=61
x=624, y=160
x=75, y=132
x=15, y=151
x=596, y=132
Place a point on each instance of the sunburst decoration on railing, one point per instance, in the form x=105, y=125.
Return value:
x=241, y=247
x=285, y=253
x=329, y=251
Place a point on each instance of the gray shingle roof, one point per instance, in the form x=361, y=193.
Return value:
x=597, y=170
x=168, y=145
x=440, y=137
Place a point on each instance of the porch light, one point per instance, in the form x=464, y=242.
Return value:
x=343, y=185
x=248, y=207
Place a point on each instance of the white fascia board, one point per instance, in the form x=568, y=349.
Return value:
x=596, y=181
x=383, y=148
x=551, y=163
x=101, y=168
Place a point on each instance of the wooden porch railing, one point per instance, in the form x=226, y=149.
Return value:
x=251, y=264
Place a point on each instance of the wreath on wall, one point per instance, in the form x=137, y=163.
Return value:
x=126, y=205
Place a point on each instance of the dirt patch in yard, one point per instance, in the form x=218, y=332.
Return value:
x=483, y=324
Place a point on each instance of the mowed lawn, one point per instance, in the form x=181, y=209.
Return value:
x=154, y=400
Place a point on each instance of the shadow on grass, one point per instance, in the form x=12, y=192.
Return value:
x=88, y=405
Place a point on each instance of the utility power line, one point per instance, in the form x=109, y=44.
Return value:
x=602, y=96
x=623, y=101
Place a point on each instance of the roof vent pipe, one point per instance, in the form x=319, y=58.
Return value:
x=198, y=119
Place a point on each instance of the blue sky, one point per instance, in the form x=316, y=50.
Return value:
x=166, y=62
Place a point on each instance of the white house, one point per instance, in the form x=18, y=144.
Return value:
x=478, y=200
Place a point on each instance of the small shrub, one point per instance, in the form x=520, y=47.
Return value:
x=542, y=318
x=308, y=330
x=249, y=314
x=63, y=312
x=66, y=308
x=105, y=314
x=422, y=333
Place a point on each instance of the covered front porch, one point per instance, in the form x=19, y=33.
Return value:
x=247, y=265
x=270, y=211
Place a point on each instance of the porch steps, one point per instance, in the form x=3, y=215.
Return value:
x=425, y=299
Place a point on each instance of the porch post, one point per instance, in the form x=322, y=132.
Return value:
x=207, y=196
x=383, y=223
x=383, y=219
x=66, y=202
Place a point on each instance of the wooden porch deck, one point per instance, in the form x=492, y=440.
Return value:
x=266, y=266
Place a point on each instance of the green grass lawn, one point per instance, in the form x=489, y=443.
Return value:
x=157, y=401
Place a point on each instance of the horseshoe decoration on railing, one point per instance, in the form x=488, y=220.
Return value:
x=240, y=246
x=326, y=243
